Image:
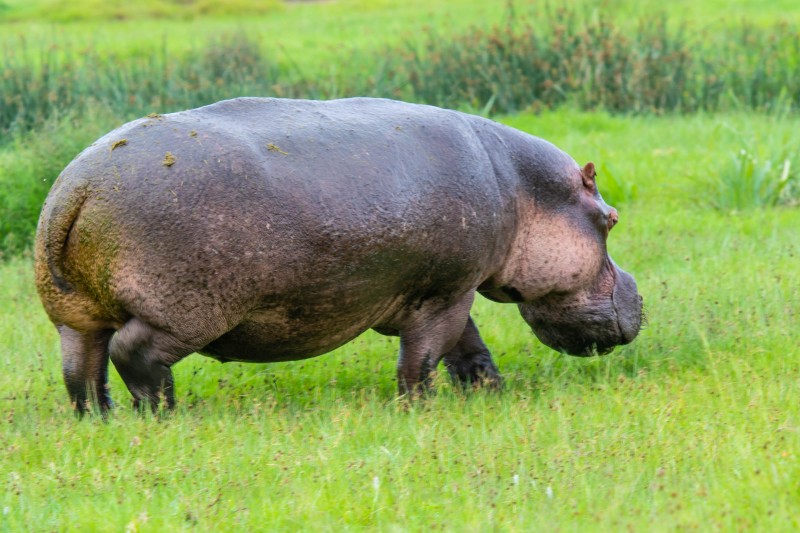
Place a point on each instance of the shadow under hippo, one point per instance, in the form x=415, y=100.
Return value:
x=261, y=229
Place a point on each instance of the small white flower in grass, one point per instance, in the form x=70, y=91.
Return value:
x=515, y=479
x=6, y=510
x=549, y=492
x=376, y=483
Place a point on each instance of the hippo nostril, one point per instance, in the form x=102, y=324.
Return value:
x=613, y=218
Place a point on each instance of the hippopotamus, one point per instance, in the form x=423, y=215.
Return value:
x=267, y=229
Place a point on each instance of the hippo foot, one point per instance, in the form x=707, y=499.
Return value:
x=143, y=356
x=470, y=363
x=93, y=404
x=474, y=370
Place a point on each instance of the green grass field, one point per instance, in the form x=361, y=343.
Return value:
x=696, y=425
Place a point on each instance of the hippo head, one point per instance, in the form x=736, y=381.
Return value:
x=590, y=321
x=593, y=305
x=573, y=296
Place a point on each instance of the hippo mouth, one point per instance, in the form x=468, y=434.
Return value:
x=579, y=342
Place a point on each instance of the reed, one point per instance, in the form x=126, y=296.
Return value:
x=563, y=57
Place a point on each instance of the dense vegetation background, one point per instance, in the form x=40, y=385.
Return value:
x=689, y=109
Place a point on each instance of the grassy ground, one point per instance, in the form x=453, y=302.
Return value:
x=695, y=425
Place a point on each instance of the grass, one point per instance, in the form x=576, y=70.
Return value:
x=692, y=426
x=763, y=172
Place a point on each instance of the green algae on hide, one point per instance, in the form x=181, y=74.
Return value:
x=169, y=159
x=274, y=148
x=91, y=260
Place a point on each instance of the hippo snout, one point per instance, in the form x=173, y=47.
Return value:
x=589, y=323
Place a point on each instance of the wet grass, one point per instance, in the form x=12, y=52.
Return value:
x=693, y=426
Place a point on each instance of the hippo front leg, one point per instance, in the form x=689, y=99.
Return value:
x=469, y=362
x=435, y=331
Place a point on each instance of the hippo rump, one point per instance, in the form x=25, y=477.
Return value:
x=262, y=229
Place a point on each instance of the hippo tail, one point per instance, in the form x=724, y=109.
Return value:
x=59, y=214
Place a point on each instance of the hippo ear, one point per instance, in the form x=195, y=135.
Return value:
x=588, y=175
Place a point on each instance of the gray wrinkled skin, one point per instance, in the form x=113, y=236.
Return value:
x=271, y=230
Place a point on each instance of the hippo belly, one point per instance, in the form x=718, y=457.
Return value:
x=278, y=334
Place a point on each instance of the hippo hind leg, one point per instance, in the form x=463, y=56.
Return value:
x=143, y=355
x=470, y=363
x=85, y=368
